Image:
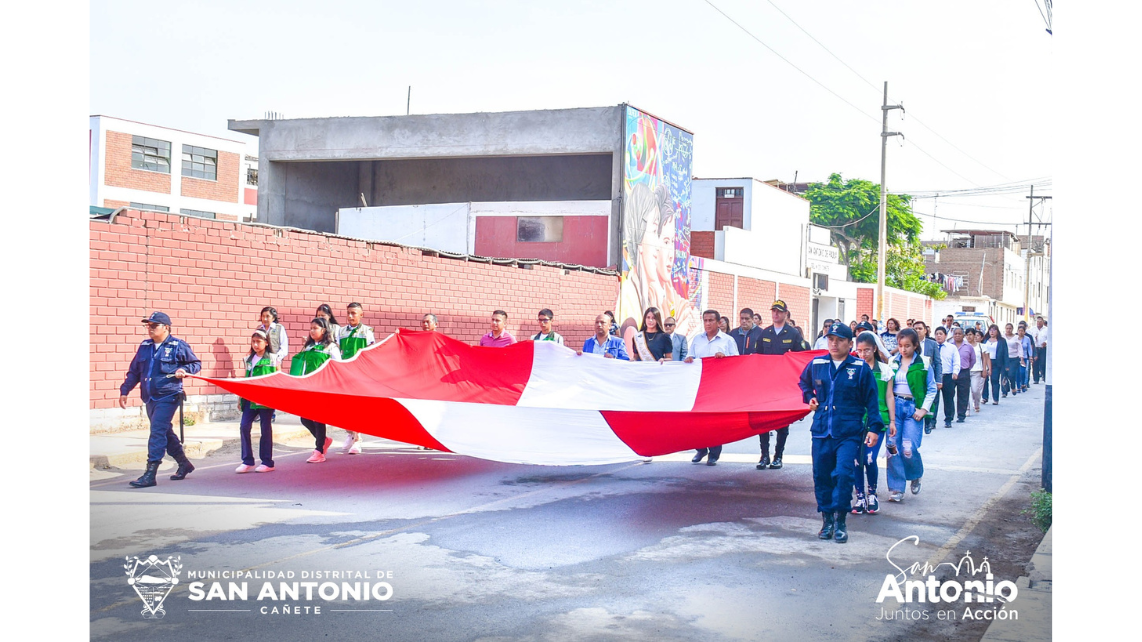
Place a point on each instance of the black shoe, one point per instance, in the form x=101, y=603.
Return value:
x=184, y=468
x=764, y=463
x=947, y=424
x=776, y=462
x=842, y=532
x=148, y=478
x=827, y=525
x=698, y=458
x=713, y=461
x=927, y=429
x=960, y=420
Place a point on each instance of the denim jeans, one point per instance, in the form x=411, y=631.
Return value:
x=265, y=443
x=1012, y=373
x=866, y=468
x=905, y=466
x=996, y=375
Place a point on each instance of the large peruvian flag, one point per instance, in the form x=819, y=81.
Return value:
x=537, y=402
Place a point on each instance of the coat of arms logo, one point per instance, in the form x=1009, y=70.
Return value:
x=153, y=580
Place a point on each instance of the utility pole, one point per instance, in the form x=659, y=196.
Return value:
x=882, y=244
x=1027, y=264
x=408, y=103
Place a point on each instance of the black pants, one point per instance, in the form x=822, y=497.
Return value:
x=714, y=451
x=782, y=435
x=1040, y=364
x=963, y=393
x=949, y=394
x=318, y=432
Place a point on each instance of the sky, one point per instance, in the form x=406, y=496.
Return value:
x=972, y=76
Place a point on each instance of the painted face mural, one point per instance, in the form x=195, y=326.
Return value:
x=657, y=160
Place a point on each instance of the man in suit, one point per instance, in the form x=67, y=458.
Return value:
x=929, y=348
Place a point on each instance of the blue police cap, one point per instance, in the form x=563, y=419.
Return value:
x=841, y=330
x=865, y=325
x=158, y=317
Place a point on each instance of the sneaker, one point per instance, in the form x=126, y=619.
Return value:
x=873, y=506
x=316, y=458
x=328, y=443
x=915, y=486
x=355, y=449
x=262, y=468
x=995, y=403
x=947, y=424
x=243, y=468
x=350, y=442
x=858, y=506
x=927, y=430
x=896, y=497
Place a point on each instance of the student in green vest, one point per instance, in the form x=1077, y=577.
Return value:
x=326, y=312
x=868, y=349
x=259, y=362
x=319, y=348
x=914, y=384
x=352, y=338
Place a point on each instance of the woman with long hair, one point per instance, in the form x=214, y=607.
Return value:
x=914, y=384
x=260, y=361
x=996, y=347
x=867, y=348
x=652, y=343
x=724, y=325
x=889, y=335
x=326, y=312
x=319, y=348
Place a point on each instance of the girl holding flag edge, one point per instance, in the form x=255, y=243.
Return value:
x=319, y=348
x=259, y=362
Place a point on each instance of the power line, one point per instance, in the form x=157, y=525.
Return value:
x=875, y=88
x=788, y=62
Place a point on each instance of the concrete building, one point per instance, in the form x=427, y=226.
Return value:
x=312, y=167
x=991, y=271
x=168, y=170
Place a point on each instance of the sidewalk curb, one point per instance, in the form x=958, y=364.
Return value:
x=1034, y=602
x=195, y=449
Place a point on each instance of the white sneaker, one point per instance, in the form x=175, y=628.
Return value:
x=896, y=497
x=355, y=449
x=316, y=458
x=350, y=443
x=262, y=468
x=243, y=468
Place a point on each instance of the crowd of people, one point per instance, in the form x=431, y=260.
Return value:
x=897, y=377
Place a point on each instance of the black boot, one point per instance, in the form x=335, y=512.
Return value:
x=764, y=463
x=776, y=462
x=148, y=478
x=184, y=468
x=842, y=532
x=826, y=526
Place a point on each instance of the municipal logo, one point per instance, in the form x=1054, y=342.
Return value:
x=153, y=580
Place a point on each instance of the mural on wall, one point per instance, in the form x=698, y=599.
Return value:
x=657, y=164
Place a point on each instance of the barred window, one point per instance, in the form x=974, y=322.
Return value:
x=199, y=162
x=146, y=206
x=150, y=154
x=252, y=176
x=198, y=213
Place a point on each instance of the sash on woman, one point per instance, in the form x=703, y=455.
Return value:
x=644, y=353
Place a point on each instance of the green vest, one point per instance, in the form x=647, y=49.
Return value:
x=917, y=377
x=264, y=366
x=352, y=344
x=308, y=360
x=882, y=374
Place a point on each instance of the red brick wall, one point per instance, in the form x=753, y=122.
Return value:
x=119, y=173
x=702, y=244
x=799, y=301
x=114, y=204
x=224, y=189
x=213, y=277
x=721, y=295
x=757, y=295
x=866, y=298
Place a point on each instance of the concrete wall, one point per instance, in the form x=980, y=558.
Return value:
x=441, y=227
x=310, y=193
x=774, y=224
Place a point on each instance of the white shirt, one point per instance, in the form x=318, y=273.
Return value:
x=1041, y=336
x=702, y=346
x=362, y=331
x=992, y=347
x=558, y=338
x=978, y=366
x=283, y=347
x=822, y=343
x=949, y=358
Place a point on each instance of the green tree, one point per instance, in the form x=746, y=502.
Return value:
x=850, y=209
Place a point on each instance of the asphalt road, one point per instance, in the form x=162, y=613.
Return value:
x=477, y=550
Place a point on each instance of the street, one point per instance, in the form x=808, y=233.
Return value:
x=477, y=550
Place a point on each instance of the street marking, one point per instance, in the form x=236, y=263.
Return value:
x=978, y=516
x=366, y=538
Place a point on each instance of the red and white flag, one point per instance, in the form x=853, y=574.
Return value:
x=537, y=402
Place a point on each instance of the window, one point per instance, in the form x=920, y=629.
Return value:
x=146, y=206
x=539, y=229
x=252, y=176
x=198, y=213
x=150, y=154
x=731, y=192
x=199, y=162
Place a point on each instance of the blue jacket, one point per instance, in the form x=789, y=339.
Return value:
x=845, y=395
x=173, y=354
x=614, y=347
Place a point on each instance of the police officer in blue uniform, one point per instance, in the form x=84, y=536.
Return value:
x=779, y=338
x=159, y=366
x=841, y=391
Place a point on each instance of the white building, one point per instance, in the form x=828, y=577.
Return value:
x=169, y=170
